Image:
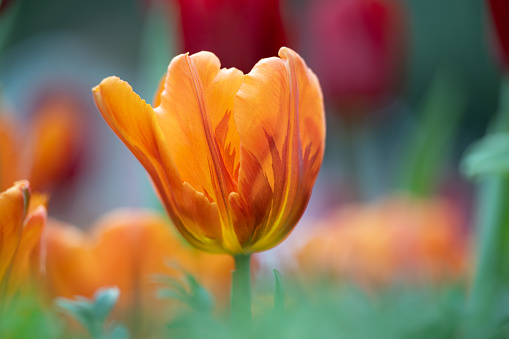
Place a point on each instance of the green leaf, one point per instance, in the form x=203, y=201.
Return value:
x=91, y=313
x=105, y=300
x=489, y=156
x=201, y=300
x=78, y=309
x=165, y=293
x=279, y=293
x=186, y=289
x=171, y=282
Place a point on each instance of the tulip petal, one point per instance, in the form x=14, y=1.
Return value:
x=160, y=88
x=195, y=115
x=135, y=123
x=200, y=217
x=280, y=119
x=250, y=209
x=69, y=267
x=311, y=112
x=13, y=209
x=30, y=255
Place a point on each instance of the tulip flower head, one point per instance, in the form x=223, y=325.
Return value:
x=233, y=157
x=20, y=248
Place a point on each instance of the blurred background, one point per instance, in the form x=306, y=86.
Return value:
x=408, y=86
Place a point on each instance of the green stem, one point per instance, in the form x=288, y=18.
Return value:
x=241, y=291
x=491, y=276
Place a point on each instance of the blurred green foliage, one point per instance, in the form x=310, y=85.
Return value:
x=27, y=318
x=344, y=311
x=430, y=143
x=454, y=32
x=319, y=309
x=93, y=313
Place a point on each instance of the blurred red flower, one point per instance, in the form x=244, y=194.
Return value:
x=239, y=32
x=358, y=51
x=500, y=14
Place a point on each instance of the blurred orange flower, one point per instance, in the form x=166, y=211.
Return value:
x=128, y=249
x=46, y=152
x=21, y=252
x=396, y=239
x=234, y=157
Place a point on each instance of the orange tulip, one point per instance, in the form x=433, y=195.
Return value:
x=128, y=249
x=396, y=239
x=20, y=246
x=234, y=157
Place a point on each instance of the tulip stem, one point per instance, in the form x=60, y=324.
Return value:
x=241, y=292
x=491, y=276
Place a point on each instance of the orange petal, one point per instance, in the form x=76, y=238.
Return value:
x=37, y=200
x=252, y=208
x=160, y=88
x=135, y=123
x=195, y=117
x=70, y=268
x=28, y=263
x=280, y=119
x=13, y=209
x=311, y=111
